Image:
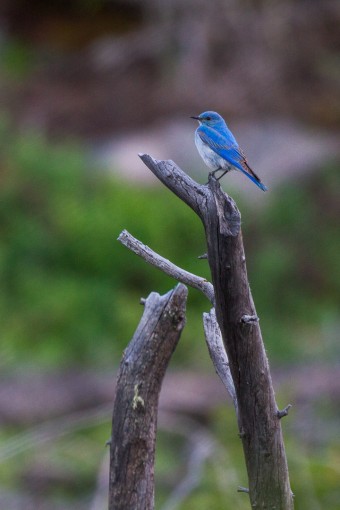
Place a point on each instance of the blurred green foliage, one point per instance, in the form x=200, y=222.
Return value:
x=17, y=59
x=70, y=292
x=294, y=268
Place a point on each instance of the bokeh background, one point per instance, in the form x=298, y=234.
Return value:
x=84, y=86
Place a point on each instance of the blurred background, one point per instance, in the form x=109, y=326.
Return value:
x=84, y=86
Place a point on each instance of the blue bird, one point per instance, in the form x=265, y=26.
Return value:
x=219, y=149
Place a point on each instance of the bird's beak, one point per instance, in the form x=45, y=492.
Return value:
x=195, y=118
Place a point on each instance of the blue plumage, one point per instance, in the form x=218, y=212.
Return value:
x=219, y=149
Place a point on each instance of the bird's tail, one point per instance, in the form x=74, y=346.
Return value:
x=252, y=176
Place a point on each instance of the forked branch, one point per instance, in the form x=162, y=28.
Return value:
x=259, y=423
x=211, y=328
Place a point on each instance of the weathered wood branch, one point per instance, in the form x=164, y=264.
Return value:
x=140, y=376
x=192, y=193
x=212, y=331
x=259, y=422
x=218, y=353
x=284, y=412
x=166, y=266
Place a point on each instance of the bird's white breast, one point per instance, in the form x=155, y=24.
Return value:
x=210, y=158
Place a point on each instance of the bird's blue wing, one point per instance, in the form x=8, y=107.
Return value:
x=225, y=145
x=222, y=144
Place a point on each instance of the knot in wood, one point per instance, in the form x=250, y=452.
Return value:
x=249, y=319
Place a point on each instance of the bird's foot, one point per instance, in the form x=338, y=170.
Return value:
x=222, y=175
x=212, y=174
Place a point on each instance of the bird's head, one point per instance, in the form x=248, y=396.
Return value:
x=211, y=119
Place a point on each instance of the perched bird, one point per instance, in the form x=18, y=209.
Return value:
x=219, y=149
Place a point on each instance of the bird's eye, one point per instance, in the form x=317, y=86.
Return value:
x=208, y=118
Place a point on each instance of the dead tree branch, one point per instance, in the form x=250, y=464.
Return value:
x=140, y=376
x=218, y=353
x=166, y=266
x=259, y=423
x=212, y=331
x=284, y=412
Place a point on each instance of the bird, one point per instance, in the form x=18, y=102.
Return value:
x=219, y=149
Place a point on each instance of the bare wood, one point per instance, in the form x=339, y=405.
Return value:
x=243, y=489
x=218, y=353
x=284, y=412
x=212, y=331
x=259, y=424
x=166, y=266
x=140, y=376
x=177, y=181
